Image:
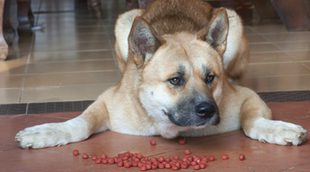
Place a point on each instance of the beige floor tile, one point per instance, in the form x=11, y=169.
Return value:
x=8, y=96
x=248, y=29
x=71, y=38
x=276, y=69
x=71, y=79
x=71, y=67
x=283, y=83
x=270, y=57
x=74, y=45
x=11, y=81
x=269, y=28
x=256, y=38
x=66, y=93
x=287, y=37
x=297, y=46
x=299, y=55
x=63, y=56
x=84, y=29
x=13, y=67
x=262, y=47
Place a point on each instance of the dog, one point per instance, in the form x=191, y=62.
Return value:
x=174, y=82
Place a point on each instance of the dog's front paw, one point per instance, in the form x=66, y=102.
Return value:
x=41, y=136
x=278, y=132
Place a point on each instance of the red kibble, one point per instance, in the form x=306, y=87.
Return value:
x=167, y=166
x=184, y=165
x=111, y=161
x=75, y=152
x=175, y=168
x=143, y=168
x=193, y=163
x=161, y=159
x=182, y=141
x=161, y=166
x=153, y=142
x=127, y=164
x=148, y=166
x=104, y=156
x=85, y=156
x=104, y=161
x=225, y=157
x=196, y=167
x=120, y=164
x=98, y=161
x=187, y=152
x=94, y=157
x=203, y=166
x=154, y=166
x=211, y=158
x=241, y=157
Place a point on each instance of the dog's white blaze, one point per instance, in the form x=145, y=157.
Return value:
x=155, y=100
x=277, y=132
x=122, y=30
x=234, y=37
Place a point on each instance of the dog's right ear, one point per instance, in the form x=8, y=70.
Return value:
x=217, y=30
x=142, y=41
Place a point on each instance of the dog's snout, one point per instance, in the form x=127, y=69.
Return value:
x=205, y=109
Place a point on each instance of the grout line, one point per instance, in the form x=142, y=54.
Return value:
x=273, y=76
x=280, y=62
x=274, y=96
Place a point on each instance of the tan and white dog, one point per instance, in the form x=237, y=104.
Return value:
x=175, y=58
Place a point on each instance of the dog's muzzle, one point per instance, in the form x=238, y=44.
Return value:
x=209, y=111
x=203, y=113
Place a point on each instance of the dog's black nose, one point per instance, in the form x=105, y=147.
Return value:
x=205, y=109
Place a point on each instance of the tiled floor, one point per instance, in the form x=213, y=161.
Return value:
x=260, y=157
x=72, y=57
x=72, y=60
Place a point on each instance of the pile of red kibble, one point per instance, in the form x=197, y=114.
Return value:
x=144, y=163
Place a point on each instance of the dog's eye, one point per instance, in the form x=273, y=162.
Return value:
x=209, y=78
x=176, y=81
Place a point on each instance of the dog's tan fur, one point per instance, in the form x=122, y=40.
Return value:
x=182, y=15
x=167, y=74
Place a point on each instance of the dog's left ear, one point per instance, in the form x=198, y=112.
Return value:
x=142, y=41
x=216, y=32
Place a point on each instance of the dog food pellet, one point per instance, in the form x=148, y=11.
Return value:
x=225, y=157
x=94, y=157
x=75, y=152
x=203, y=166
x=98, y=161
x=196, y=167
x=241, y=157
x=187, y=152
x=211, y=158
x=182, y=141
x=145, y=163
x=85, y=156
x=153, y=142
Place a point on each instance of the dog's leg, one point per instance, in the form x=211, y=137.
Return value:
x=257, y=124
x=93, y=119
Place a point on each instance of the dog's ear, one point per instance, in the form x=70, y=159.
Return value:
x=216, y=32
x=142, y=41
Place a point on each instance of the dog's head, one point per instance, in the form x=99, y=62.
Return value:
x=182, y=73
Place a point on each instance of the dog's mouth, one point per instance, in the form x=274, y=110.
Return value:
x=192, y=120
